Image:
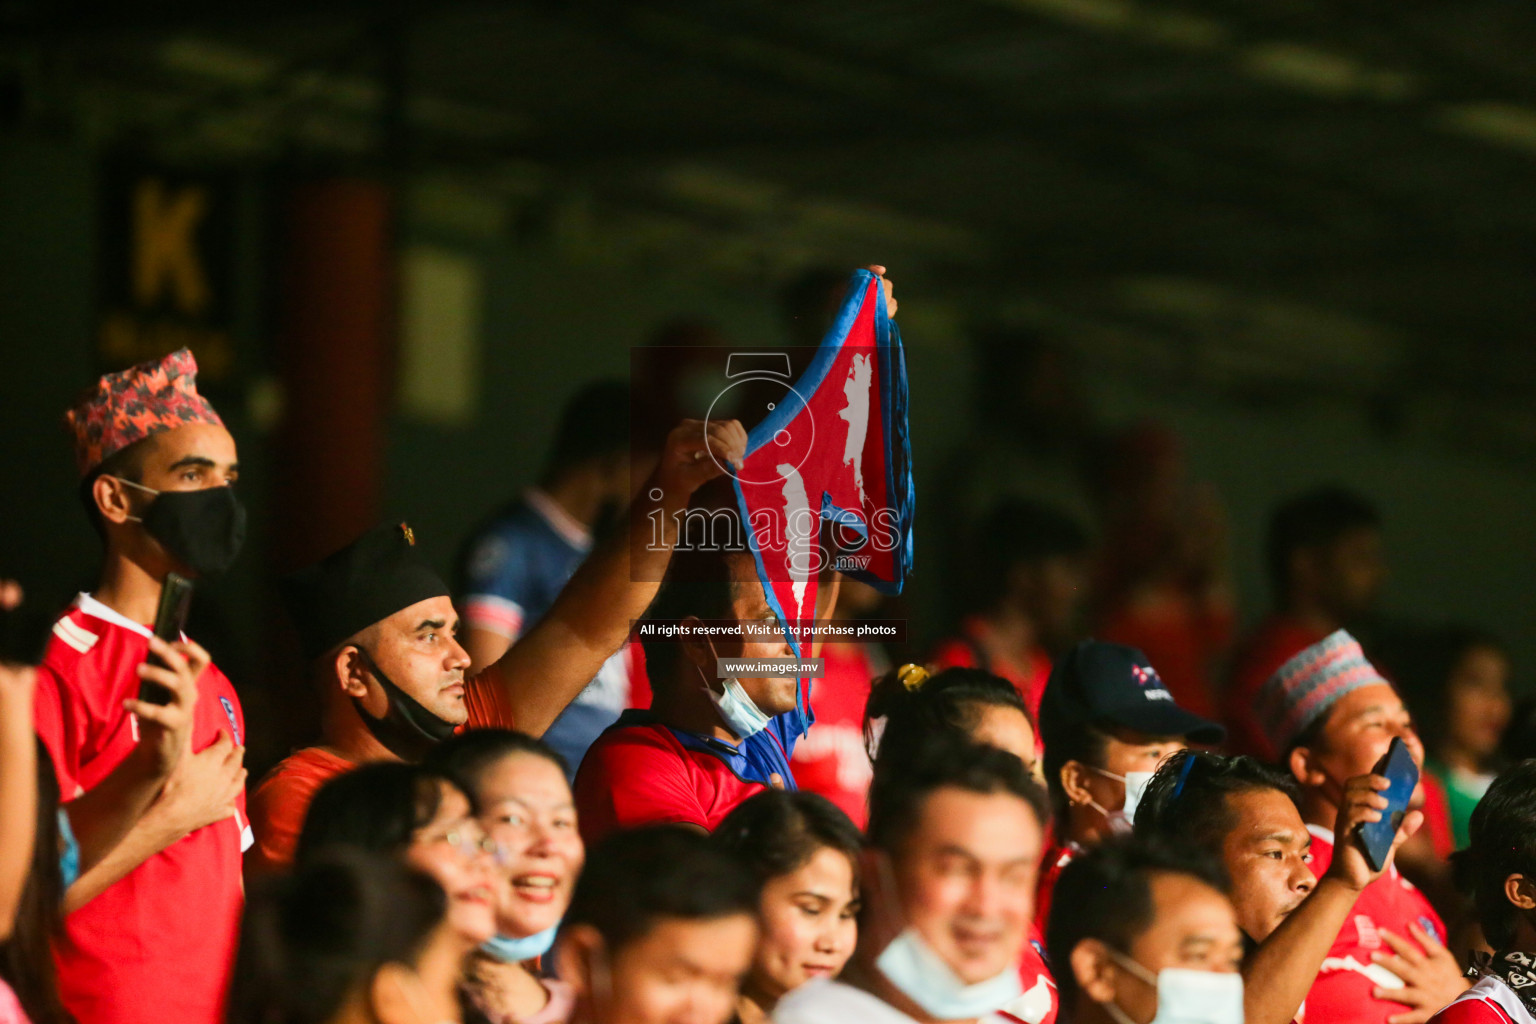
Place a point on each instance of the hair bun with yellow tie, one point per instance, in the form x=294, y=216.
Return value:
x=912, y=677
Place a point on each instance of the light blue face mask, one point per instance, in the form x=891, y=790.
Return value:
x=738, y=710
x=515, y=951
x=912, y=966
x=69, y=857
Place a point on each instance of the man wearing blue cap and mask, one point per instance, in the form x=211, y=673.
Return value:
x=1106, y=721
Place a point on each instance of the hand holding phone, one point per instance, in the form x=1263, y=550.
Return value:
x=1402, y=775
x=170, y=620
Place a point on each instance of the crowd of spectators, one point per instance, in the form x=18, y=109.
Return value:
x=1089, y=802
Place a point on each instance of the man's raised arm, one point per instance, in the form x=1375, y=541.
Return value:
x=591, y=619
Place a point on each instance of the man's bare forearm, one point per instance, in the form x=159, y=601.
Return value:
x=103, y=815
x=151, y=833
x=1279, y=973
x=18, y=804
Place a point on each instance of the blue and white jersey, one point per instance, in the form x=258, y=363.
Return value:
x=514, y=569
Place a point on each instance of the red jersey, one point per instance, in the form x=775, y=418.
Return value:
x=1040, y=1003
x=1056, y=858
x=1343, y=987
x=831, y=758
x=1490, y=1001
x=282, y=798
x=1437, y=817
x=159, y=944
x=1276, y=640
x=965, y=651
x=642, y=772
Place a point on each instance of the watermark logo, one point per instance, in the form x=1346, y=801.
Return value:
x=760, y=388
x=806, y=449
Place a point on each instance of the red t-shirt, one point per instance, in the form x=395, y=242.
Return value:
x=1056, y=858
x=1489, y=1001
x=1276, y=640
x=964, y=651
x=1343, y=987
x=159, y=944
x=831, y=759
x=640, y=772
x=282, y=798
x=1040, y=1003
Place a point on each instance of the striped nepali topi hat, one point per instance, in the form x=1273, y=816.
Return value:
x=1303, y=689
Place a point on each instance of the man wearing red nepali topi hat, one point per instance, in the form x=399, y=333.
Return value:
x=155, y=793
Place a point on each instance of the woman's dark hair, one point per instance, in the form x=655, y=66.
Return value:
x=26, y=959
x=947, y=760
x=1106, y=894
x=312, y=938
x=1082, y=742
x=1519, y=742
x=944, y=702
x=465, y=757
x=635, y=879
x=1186, y=799
x=1503, y=843
x=775, y=832
x=376, y=807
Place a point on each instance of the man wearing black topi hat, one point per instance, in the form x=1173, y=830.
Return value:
x=378, y=626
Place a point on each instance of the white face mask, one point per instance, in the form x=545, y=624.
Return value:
x=737, y=710
x=1120, y=821
x=912, y=966
x=1185, y=996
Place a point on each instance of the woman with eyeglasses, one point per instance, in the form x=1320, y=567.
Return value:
x=525, y=805
x=421, y=817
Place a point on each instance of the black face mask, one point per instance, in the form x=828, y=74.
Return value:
x=407, y=730
x=202, y=530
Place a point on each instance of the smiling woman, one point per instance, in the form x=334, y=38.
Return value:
x=524, y=804
x=805, y=852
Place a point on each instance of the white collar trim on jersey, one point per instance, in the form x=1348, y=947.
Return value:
x=96, y=610
x=1494, y=989
x=1326, y=835
x=559, y=520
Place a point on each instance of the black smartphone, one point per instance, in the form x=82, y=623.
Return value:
x=1397, y=767
x=170, y=620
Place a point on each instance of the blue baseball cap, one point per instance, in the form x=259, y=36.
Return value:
x=1114, y=685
